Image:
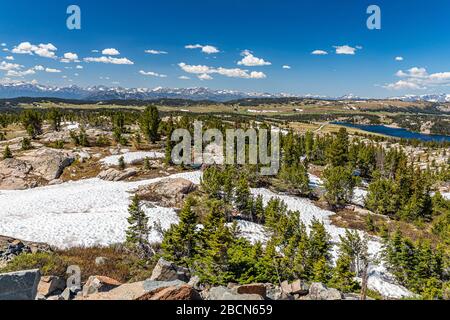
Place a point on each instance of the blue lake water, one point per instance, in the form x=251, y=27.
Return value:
x=395, y=132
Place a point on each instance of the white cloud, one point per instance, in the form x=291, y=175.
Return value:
x=70, y=57
x=205, y=49
x=250, y=60
x=42, y=50
x=414, y=72
x=51, y=70
x=3, y=44
x=286, y=67
x=205, y=76
x=20, y=73
x=79, y=67
x=398, y=58
x=10, y=58
x=110, y=52
x=6, y=66
x=39, y=68
x=402, y=85
x=95, y=51
x=197, y=69
x=232, y=73
x=419, y=78
x=110, y=60
x=151, y=51
x=345, y=50
x=319, y=52
x=153, y=74
x=184, y=78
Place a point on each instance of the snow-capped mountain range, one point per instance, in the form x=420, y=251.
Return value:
x=425, y=97
x=101, y=93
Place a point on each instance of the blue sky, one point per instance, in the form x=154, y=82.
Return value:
x=241, y=45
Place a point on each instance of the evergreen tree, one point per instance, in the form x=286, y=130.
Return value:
x=295, y=178
x=121, y=162
x=211, y=262
x=32, y=122
x=180, y=241
x=26, y=144
x=147, y=164
x=7, y=154
x=149, y=123
x=343, y=276
x=337, y=152
x=55, y=118
x=339, y=184
x=243, y=196
x=138, y=229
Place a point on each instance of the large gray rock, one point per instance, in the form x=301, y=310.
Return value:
x=168, y=271
x=48, y=163
x=224, y=293
x=167, y=192
x=318, y=291
x=50, y=285
x=152, y=285
x=116, y=175
x=20, y=285
x=13, y=174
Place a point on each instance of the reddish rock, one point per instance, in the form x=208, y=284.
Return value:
x=184, y=292
x=254, y=288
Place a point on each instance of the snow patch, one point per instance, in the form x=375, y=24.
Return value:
x=131, y=157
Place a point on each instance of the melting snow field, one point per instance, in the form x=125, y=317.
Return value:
x=82, y=213
x=131, y=157
x=93, y=212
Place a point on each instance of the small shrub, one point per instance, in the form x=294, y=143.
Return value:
x=26, y=144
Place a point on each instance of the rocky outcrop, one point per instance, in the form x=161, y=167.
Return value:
x=184, y=292
x=116, y=175
x=254, y=288
x=20, y=285
x=50, y=285
x=48, y=163
x=14, y=173
x=298, y=287
x=224, y=293
x=97, y=284
x=318, y=291
x=168, y=271
x=33, y=168
x=167, y=192
x=11, y=248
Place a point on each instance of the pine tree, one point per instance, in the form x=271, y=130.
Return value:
x=7, y=154
x=149, y=123
x=216, y=238
x=26, y=144
x=121, y=163
x=339, y=184
x=55, y=118
x=138, y=229
x=147, y=165
x=343, y=276
x=180, y=241
x=337, y=152
x=32, y=122
x=212, y=182
x=242, y=196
